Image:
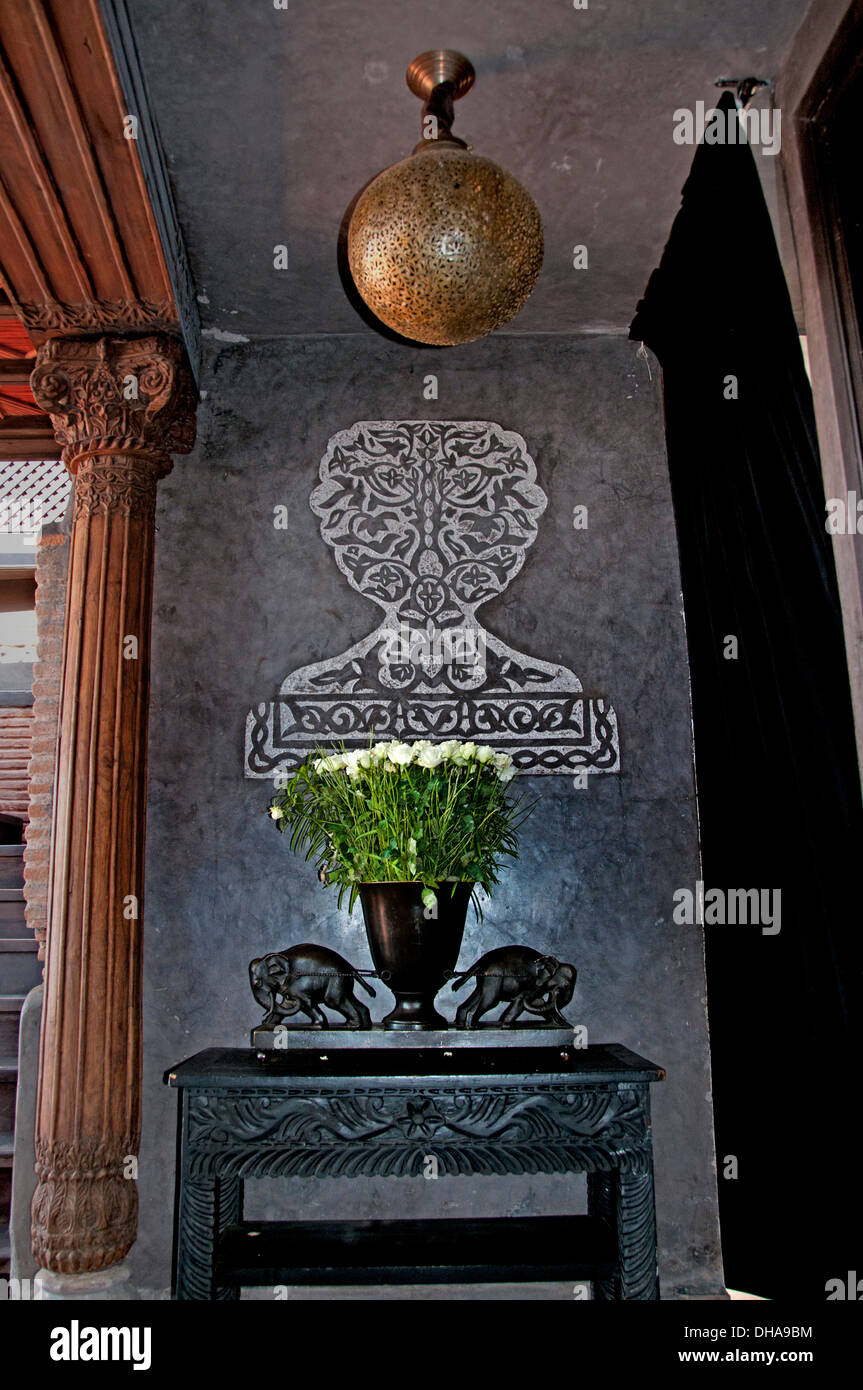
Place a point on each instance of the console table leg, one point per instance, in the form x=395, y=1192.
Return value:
x=626, y=1204
x=196, y=1238
x=206, y=1207
x=229, y=1210
x=602, y=1203
x=636, y=1235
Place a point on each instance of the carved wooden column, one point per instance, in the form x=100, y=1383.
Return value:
x=120, y=407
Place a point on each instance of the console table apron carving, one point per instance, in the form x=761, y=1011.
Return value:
x=376, y=1112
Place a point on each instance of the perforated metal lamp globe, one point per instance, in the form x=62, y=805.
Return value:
x=445, y=246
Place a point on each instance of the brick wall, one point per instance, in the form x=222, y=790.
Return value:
x=52, y=555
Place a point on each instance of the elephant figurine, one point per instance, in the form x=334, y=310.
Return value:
x=527, y=980
x=305, y=977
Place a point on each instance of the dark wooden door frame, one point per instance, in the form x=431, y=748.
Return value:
x=814, y=76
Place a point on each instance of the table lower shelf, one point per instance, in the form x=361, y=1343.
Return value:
x=440, y=1251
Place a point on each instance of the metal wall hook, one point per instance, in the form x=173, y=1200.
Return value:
x=745, y=87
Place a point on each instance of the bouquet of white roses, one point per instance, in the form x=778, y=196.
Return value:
x=430, y=813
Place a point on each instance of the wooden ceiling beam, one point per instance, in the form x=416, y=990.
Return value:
x=25, y=427
x=80, y=250
x=28, y=437
x=16, y=371
x=28, y=450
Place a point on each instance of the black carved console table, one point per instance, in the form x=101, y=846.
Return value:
x=376, y=1111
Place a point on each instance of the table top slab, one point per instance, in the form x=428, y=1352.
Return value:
x=224, y=1069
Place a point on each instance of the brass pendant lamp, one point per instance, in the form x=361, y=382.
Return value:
x=445, y=246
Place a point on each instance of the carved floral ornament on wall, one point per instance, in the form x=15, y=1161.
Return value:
x=430, y=519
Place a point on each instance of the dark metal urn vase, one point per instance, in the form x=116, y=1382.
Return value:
x=414, y=954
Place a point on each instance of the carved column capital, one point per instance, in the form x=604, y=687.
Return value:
x=117, y=396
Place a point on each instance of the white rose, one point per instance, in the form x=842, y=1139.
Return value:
x=484, y=753
x=364, y=759
x=468, y=751
x=351, y=764
x=507, y=774
x=276, y=812
x=449, y=749
x=431, y=756
x=400, y=753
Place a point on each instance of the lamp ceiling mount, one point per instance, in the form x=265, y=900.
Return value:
x=437, y=66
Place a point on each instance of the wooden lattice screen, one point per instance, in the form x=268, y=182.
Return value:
x=32, y=493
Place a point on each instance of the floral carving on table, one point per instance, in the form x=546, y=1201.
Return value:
x=503, y=1129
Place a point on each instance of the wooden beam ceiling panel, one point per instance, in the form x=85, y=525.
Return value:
x=51, y=111
x=104, y=118
x=79, y=246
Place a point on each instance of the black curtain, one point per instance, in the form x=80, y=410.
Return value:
x=776, y=767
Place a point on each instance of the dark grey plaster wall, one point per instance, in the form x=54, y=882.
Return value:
x=239, y=604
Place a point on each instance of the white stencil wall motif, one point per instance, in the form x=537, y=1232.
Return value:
x=430, y=519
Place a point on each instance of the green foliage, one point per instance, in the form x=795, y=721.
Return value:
x=419, y=813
